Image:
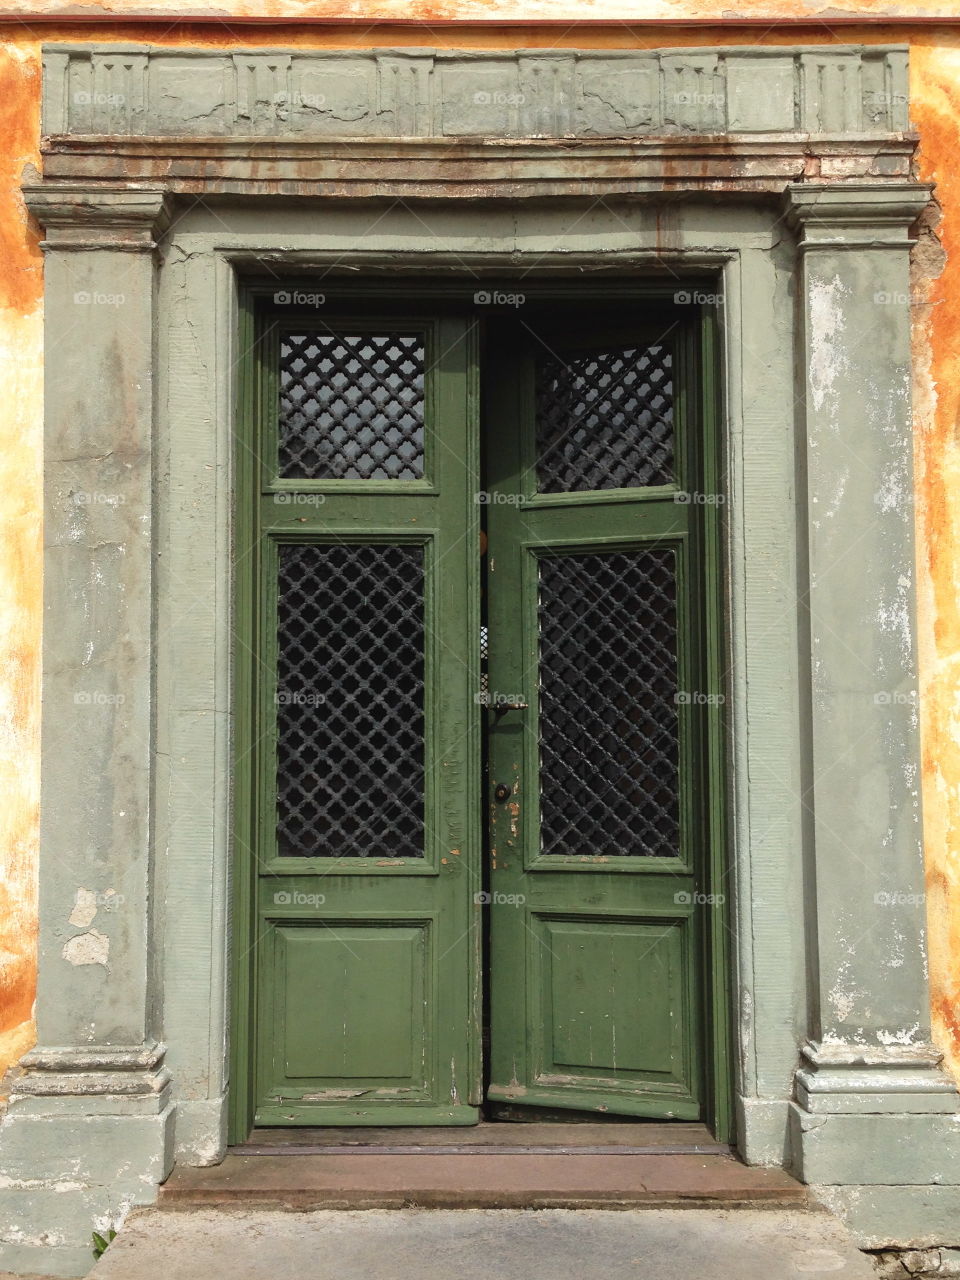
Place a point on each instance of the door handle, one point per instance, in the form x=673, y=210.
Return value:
x=502, y=705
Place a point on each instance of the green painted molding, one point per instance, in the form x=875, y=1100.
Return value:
x=435, y=93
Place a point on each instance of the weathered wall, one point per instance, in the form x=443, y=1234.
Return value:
x=935, y=105
x=20, y=551
x=935, y=88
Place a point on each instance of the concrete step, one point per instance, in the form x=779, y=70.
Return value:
x=480, y=1179
x=709, y=1244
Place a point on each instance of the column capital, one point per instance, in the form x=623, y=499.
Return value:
x=838, y=215
x=76, y=218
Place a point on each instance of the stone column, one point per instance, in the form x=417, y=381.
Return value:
x=870, y=1097
x=90, y=1121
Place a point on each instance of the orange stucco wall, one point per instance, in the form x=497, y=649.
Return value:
x=935, y=98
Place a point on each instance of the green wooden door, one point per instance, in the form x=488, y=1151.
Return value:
x=600, y=697
x=358, y=784
x=375, y=751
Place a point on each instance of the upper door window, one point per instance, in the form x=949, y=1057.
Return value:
x=351, y=405
x=604, y=417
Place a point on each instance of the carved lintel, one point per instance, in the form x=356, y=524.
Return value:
x=463, y=93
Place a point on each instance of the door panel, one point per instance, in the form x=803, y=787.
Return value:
x=596, y=841
x=637, y=1032
x=363, y=752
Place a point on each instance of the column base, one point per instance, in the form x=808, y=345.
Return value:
x=88, y=1134
x=844, y=1078
x=882, y=1115
x=896, y=1217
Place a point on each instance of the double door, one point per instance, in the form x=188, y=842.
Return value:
x=478, y=729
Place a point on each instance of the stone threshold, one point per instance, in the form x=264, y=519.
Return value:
x=494, y=1166
x=529, y=1138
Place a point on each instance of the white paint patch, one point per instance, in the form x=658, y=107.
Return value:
x=906, y=1036
x=85, y=909
x=826, y=326
x=87, y=948
x=894, y=493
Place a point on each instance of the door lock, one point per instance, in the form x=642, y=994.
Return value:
x=502, y=792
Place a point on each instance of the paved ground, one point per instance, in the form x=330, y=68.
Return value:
x=418, y=1244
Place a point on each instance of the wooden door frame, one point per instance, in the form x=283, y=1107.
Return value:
x=716, y=957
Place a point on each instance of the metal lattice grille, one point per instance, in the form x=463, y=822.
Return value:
x=604, y=419
x=351, y=406
x=350, y=686
x=608, y=714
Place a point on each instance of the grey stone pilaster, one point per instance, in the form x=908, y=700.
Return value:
x=869, y=1058
x=90, y=1121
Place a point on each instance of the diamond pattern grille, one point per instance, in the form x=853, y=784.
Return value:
x=604, y=419
x=351, y=406
x=608, y=716
x=350, y=686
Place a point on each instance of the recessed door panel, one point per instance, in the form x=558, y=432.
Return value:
x=637, y=1027
x=353, y=1007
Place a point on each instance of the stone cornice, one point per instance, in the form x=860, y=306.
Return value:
x=130, y=90
x=411, y=167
